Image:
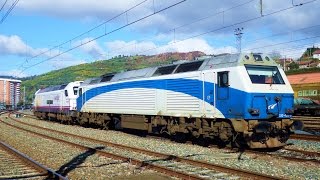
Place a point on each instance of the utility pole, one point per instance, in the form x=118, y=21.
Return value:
x=24, y=96
x=284, y=63
x=238, y=33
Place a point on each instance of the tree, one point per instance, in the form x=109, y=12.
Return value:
x=293, y=66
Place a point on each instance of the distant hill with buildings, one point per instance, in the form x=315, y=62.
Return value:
x=308, y=62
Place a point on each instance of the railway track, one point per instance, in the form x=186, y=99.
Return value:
x=163, y=168
x=288, y=154
x=310, y=122
x=305, y=137
x=15, y=165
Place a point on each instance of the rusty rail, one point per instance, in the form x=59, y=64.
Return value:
x=310, y=122
x=44, y=171
x=308, y=153
x=220, y=168
x=137, y=162
x=305, y=137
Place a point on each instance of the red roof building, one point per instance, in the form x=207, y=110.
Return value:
x=316, y=54
x=317, y=51
x=304, y=78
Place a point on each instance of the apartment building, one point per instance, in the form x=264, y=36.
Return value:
x=9, y=93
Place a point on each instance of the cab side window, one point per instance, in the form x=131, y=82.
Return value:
x=223, y=79
x=66, y=93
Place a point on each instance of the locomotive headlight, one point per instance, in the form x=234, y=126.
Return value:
x=254, y=112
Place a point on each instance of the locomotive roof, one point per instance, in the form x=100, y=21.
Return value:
x=52, y=88
x=56, y=87
x=211, y=62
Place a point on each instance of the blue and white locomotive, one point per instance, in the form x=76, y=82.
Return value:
x=233, y=98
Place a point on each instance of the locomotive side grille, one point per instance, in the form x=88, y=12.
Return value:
x=128, y=99
x=183, y=95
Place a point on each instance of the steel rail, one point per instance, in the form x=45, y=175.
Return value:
x=229, y=170
x=45, y=171
x=290, y=158
x=308, y=153
x=133, y=161
x=305, y=137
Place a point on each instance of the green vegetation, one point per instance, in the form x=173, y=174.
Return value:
x=308, y=53
x=304, y=70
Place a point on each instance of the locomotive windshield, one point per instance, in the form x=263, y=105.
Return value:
x=264, y=75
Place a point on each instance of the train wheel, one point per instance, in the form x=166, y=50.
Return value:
x=239, y=141
x=201, y=141
x=226, y=134
x=180, y=137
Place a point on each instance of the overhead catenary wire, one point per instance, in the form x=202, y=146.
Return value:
x=88, y=31
x=223, y=27
x=231, y=25
x=178, y=41
x=3, y=5
x=105, y=34
x=193, y=22
x=9, y=11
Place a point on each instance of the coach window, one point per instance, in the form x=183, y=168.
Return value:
x=223, y=79
x=75, y=90
x=66, y=93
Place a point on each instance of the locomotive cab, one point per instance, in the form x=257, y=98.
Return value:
x=268, y=103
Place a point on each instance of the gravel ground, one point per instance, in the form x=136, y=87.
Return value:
x=263, y=164
x=183, y=167
x=71, y=161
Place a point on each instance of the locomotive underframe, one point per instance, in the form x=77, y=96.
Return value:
x=252, y=133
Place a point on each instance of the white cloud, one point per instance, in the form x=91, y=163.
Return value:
x=119, y=47
x=75, y=8
x=198, y=44
x=13, y=45
x=91, y=47
x=181, y=14
x=149, y=48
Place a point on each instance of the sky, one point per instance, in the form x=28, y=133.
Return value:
x=39, y=36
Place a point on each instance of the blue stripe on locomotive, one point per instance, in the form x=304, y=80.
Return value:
x=232, y=103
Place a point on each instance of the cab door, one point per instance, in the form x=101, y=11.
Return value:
x=223, y=85
x=222, y=93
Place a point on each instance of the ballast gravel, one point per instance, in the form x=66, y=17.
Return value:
x=264, y=164
x=70, y=161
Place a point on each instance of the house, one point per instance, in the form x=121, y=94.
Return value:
x=316, y=54
x=284, y=63
x=308, y=64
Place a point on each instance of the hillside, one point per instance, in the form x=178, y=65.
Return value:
x=98, y=68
